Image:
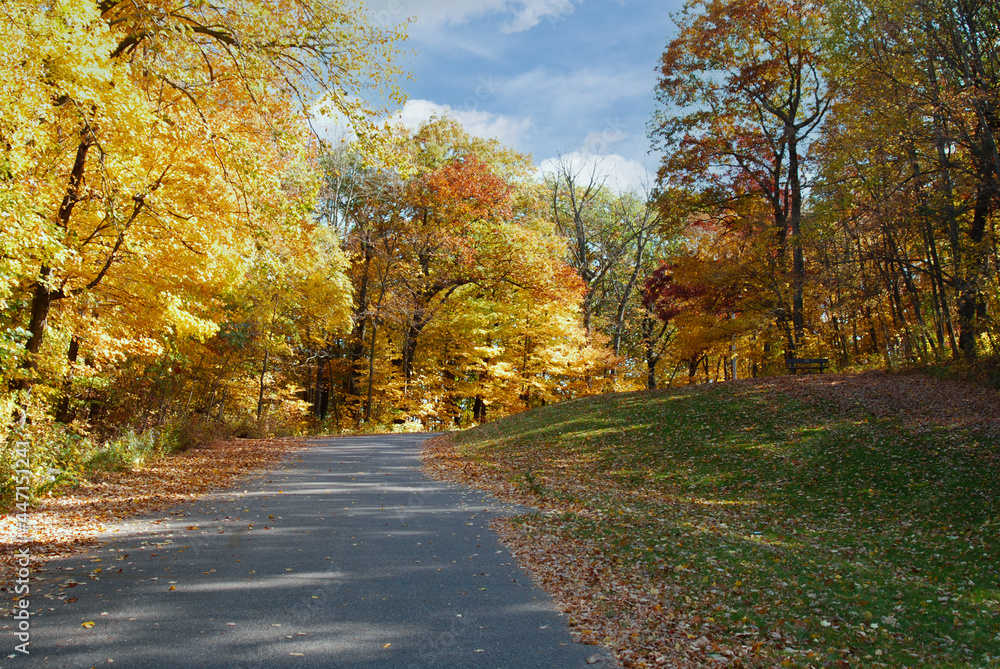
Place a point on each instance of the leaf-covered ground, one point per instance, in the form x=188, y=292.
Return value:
x=812, y=521
x=69, y=523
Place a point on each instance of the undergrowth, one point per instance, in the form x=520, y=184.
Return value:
x=61, y=456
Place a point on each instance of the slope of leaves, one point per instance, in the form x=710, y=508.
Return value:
x=824, y=521
x=69, y=523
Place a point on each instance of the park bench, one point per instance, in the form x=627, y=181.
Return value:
x=818, y=365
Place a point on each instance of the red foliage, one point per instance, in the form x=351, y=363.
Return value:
x=465, y=188
x=665, y=296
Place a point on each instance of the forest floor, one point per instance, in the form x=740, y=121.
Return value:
x=811, y=521
x=69, y=521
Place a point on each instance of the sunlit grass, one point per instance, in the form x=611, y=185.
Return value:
x=812, y=537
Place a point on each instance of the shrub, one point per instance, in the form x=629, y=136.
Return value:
x=192, y=432
x=56, y=456
x=128, y=451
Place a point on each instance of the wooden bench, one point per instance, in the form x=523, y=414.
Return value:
x=817, y=365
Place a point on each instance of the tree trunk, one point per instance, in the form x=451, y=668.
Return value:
x=693, y=369
x=260, y=391
x=64, y=414
x=795, y=221
x=640, y=248
x=649, y=350
x=319, y=410
x=371, y=374
x=410, y=351
x=357, y=346
x=44, y=295
x=971, y=304
x=479, y=410
x=222, y=406
x=333, y=394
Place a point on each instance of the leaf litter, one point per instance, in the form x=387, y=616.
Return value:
x=812, y=521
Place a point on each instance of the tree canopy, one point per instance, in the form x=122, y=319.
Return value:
x=839, y=159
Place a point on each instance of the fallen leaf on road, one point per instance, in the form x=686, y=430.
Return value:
x=70, y=522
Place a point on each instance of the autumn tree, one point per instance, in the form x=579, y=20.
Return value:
x=742, y=91
x=580, y=210
x=715, y=289
x=612, y=240
x=850, y=148
x=922, y=110
x=150, y=150
x=452, y=259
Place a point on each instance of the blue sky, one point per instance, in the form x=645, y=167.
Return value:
x=570, y=78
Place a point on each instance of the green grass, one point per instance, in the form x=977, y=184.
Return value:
x=857, y=541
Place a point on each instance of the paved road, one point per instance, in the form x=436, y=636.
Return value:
x=344, y=557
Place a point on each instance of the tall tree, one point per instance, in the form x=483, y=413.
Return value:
x=453, y=260
x=610, y=239
x=742, y=92
x=153, y=148
x=157, y=144
x=911, y=154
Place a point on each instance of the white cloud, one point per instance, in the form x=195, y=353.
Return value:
x=509, y=130
x=521, y=14
x=532, y=12
x=585, y=89
x=616, y=171
x=440, y=12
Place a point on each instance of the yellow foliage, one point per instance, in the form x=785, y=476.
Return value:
x=158, y=168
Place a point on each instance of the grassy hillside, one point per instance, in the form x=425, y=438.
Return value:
x=824, y=522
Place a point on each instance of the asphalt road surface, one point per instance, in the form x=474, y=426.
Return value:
x=346, y=556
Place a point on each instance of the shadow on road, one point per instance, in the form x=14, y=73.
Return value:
x=346, y=556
